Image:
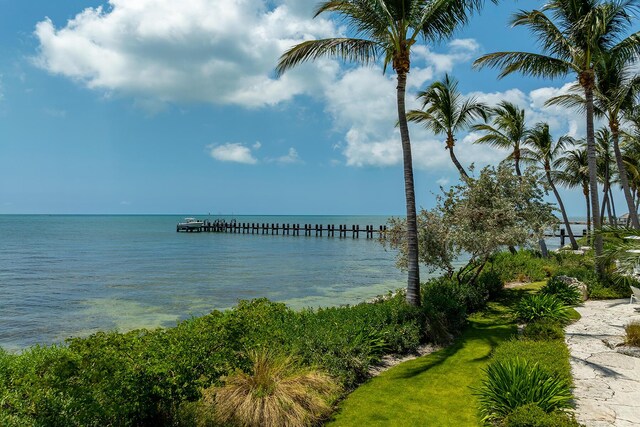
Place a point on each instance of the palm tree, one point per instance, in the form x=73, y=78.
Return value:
x=508, y=130
x=605, y=161
x=572, y=40
x=445, y=111
x=614, y=95
x=574, y=172
x=388, y=29
x=543, y=151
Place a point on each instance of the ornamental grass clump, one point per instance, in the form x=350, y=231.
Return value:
x=565, y=292
x=633, y=334
x=541, y=306
x=513, y=383
x=276, y=393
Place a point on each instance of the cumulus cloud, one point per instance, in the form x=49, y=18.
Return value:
x=187, y=51
x=291, y=157
x=232, y=152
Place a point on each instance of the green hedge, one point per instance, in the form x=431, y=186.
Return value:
x=142, y=377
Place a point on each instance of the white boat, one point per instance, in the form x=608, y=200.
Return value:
x=190, y=223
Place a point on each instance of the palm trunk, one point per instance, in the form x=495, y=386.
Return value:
x=455, y=161
x=613, y=205
x=516, y=159
x=605, y=201
x=622, y=171
x=413, y=280
x=585, y=192
x=593, y=172
x=572, y=239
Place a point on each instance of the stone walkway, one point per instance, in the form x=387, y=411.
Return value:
x=607, y=382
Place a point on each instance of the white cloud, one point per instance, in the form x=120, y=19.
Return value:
x=188, y=51
x=443, y=181
x=232, y=152
x=291, y=157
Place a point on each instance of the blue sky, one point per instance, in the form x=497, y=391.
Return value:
x=164, y=106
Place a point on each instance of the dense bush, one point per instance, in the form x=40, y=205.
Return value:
x=532, y=415
x=543, y=330
x=149, y=377
x=524, y=266
x=539, y=306
x=445, y=307
x=491, y=283
x=632, y=331
x=550, y=356
x=512, y=383
x=568, y=294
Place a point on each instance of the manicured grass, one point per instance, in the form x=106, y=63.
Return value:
x=437, y=389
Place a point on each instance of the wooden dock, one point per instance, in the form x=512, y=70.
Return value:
x=317, y=230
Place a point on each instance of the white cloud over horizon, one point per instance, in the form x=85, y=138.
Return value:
x=160, y=52
x=163, y=51
x=232, y=152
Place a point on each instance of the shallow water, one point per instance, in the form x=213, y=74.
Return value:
x=63, y=276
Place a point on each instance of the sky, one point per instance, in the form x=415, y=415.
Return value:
x=164, y=106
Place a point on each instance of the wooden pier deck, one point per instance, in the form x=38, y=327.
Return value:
x=317, y=230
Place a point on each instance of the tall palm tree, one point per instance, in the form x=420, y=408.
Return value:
x=388, y=29
x=507, y=130
x=574, y=172
x=614, y=95
x=572, y=38
x=542, y=151
x=445, y=111
x=605, y=171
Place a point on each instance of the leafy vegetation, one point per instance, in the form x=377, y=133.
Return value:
x=532, y=415
x=543, y=330
x=512, y=383
x=541, y=306
x=565, y=292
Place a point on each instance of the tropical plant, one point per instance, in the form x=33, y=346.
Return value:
x=573, y=39
x=532, y=415
x=565, y=292
x=541, y=306
x=544, y=330
x=516, y=382
x=445, y=112
x=275, y=393
x=623, y=248
x=388, y=29
x=506, y=131
x=543, y=151
x=573, y=171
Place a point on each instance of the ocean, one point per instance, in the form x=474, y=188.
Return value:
x=71, y=275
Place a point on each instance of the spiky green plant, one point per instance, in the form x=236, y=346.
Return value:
x=541, y=306
x=515, y=382
x=568, y=294
x=276, y=393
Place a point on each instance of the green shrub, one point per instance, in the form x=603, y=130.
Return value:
x=550, y=356
x=543, y=330
x=445, y=308
x=524, y=265
x=532, y=415
x=632, y=331
x=568, y=294
x=512, y=383
x=491, y=283
x=540, y=306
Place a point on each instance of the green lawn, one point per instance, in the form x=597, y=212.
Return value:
x=434, y=390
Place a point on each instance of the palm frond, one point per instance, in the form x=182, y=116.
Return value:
x=346, y=49
x=547, y=33
x=531, y=64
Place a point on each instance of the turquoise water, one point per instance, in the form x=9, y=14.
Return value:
x=63, y=276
